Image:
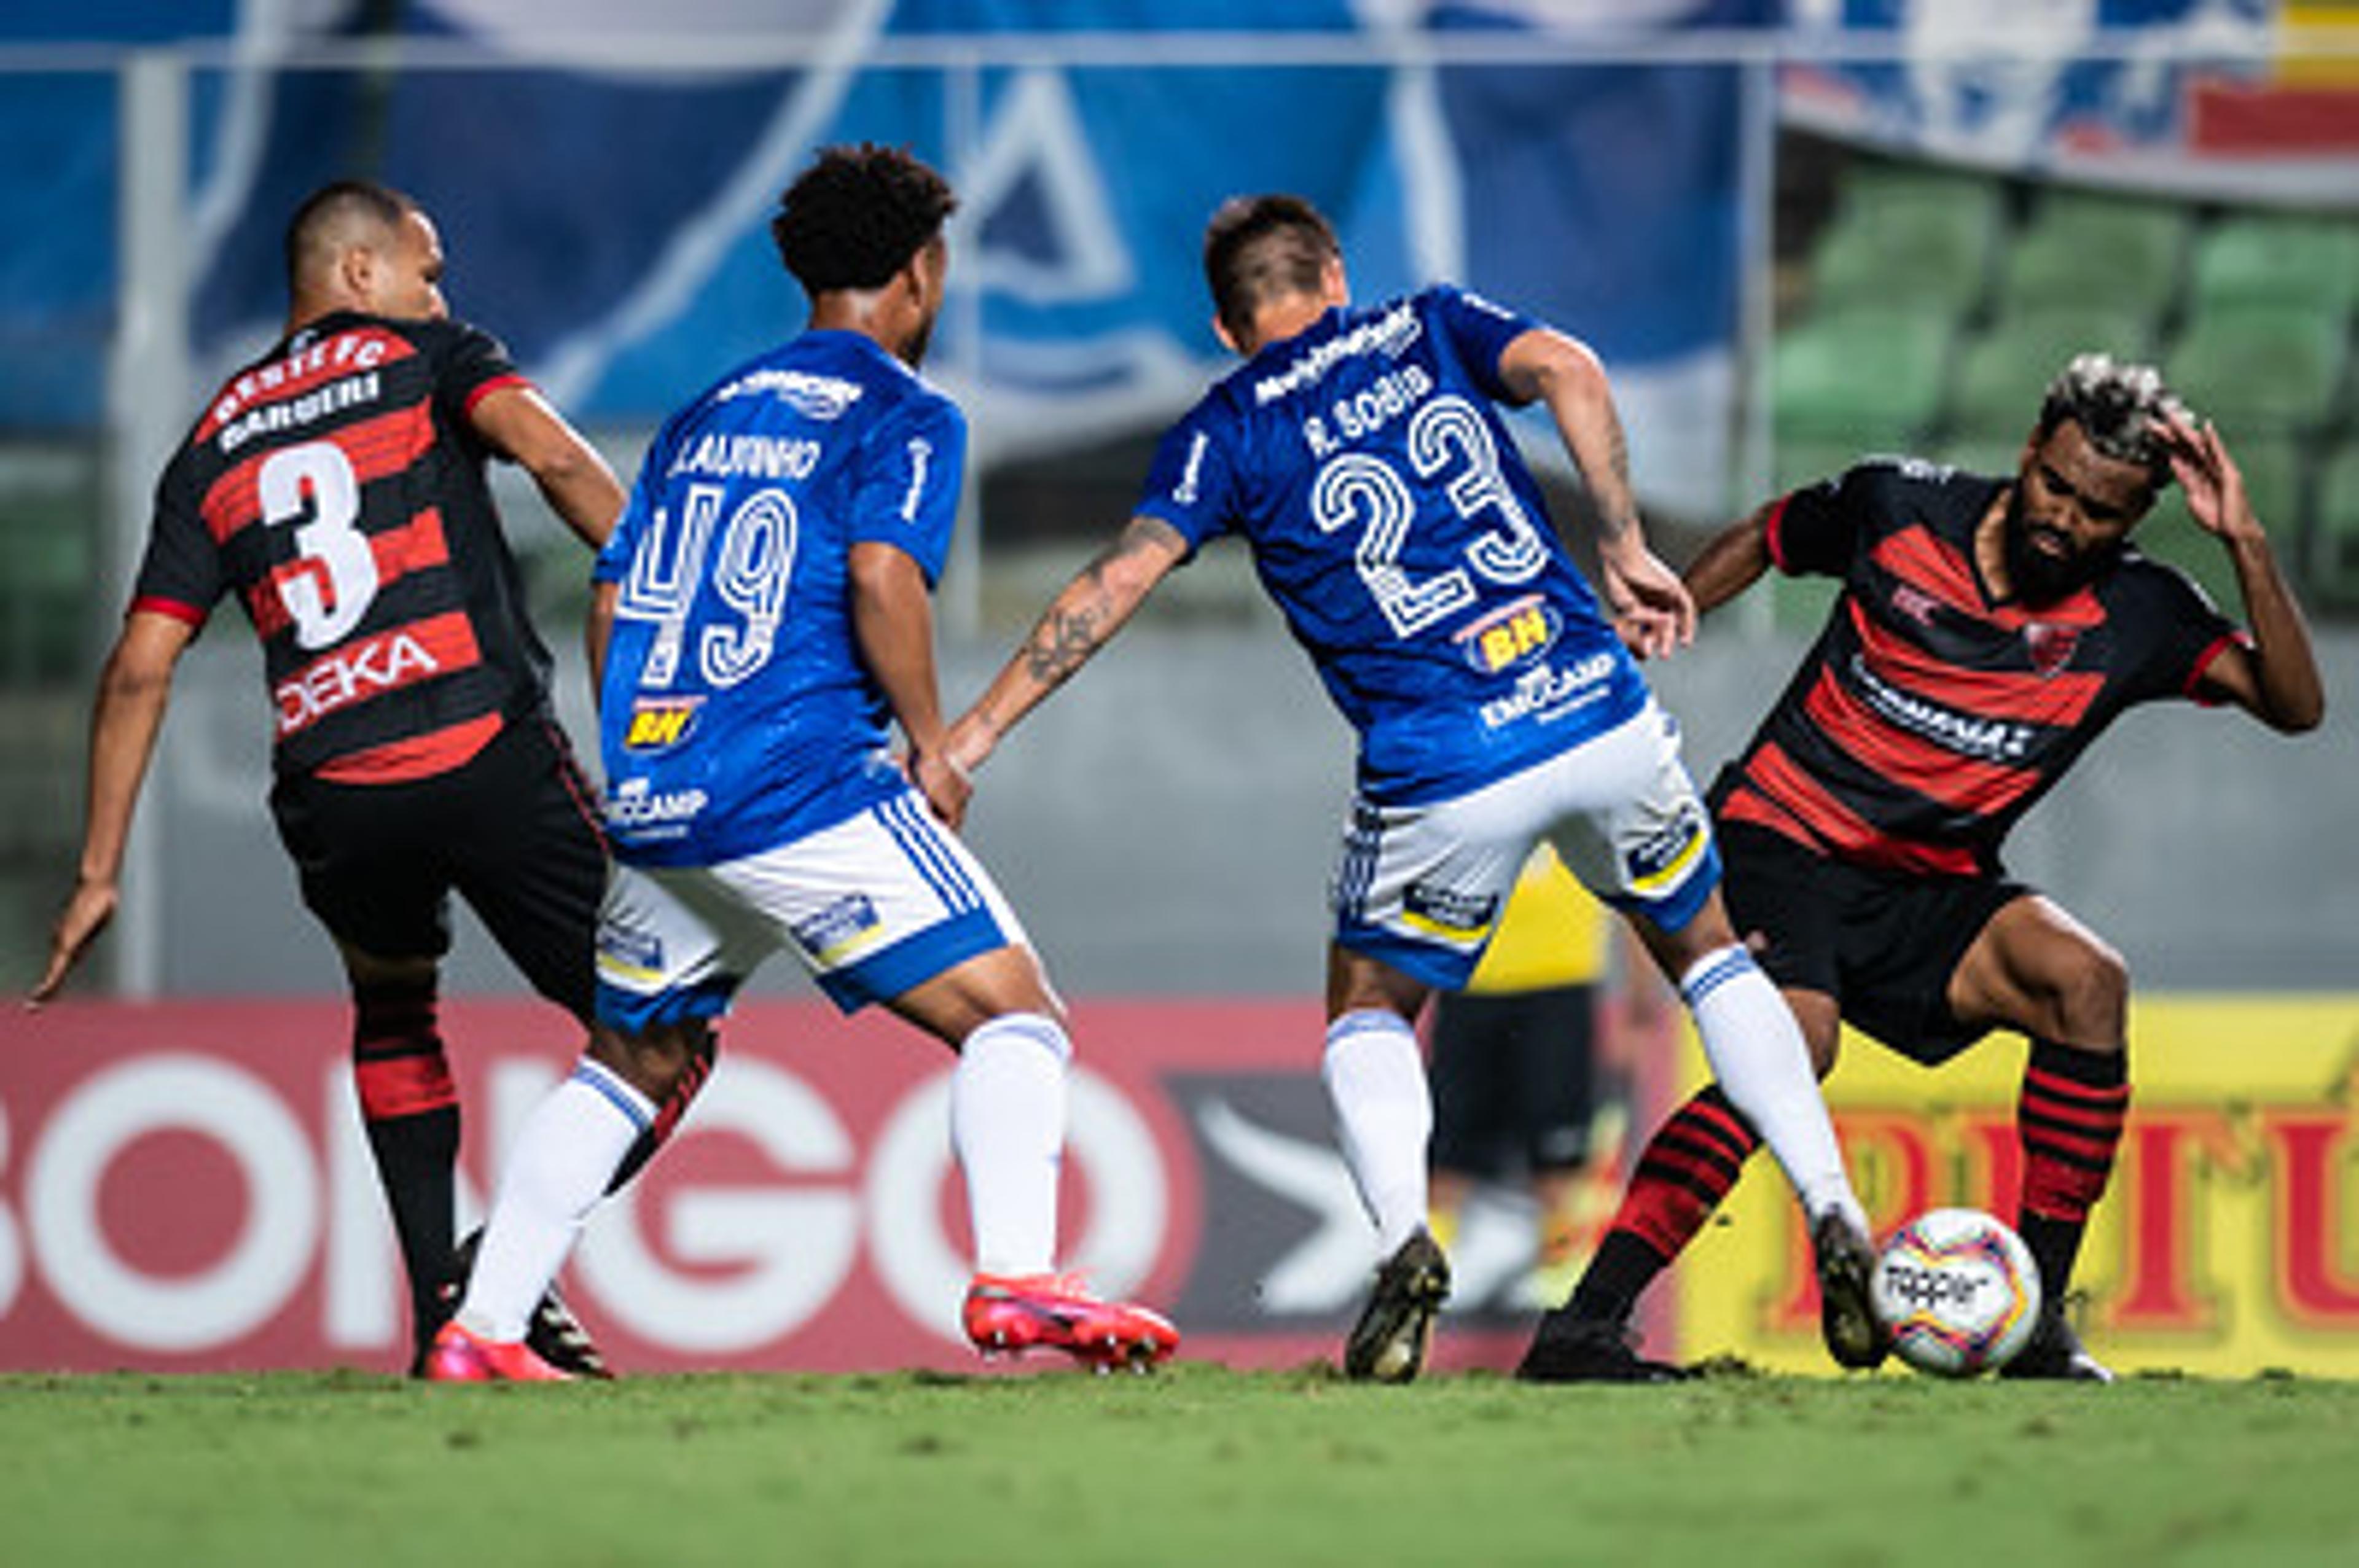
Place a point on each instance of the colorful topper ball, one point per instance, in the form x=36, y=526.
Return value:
x=1958, y=1291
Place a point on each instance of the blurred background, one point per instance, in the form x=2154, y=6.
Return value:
x=1798, y=232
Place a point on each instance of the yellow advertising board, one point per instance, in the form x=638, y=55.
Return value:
x=2228, y=1243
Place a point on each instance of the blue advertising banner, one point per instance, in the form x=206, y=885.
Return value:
x=606, y=217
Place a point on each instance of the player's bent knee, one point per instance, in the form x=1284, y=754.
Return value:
x=2089, y=988
x=656, y=1061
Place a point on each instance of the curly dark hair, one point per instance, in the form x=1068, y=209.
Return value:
x=2118, y=407
x=856, y=216
x=1260, y=248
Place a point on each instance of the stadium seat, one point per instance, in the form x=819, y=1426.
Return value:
x=2284, y=263
x=2272, y=469
x=45, y=600
x=1993, y=457
x=2261, y=368
x=2096, y=251
x=1799, y=462
x=2002, y=371
x=2331, y=558
x=1867, y=378
x=1917, y=240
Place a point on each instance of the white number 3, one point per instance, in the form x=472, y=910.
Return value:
x=312, y=488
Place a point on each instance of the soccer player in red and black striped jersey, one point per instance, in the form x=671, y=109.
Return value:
x=1987, y=632
x=337, y=487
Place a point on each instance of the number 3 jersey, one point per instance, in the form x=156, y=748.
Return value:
x=735, y=710
x=1396, y=527
x=337, y=487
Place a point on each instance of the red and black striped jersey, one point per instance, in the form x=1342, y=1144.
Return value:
x=337, y=486
x=1928, y=716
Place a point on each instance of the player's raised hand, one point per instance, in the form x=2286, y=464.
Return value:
x=84, y=916
x=1652, y=607
x=2213, y=484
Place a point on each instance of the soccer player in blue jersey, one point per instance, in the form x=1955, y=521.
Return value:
x=761, y=624
x=1361, y=454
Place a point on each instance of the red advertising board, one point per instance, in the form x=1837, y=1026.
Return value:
x=186, y=1187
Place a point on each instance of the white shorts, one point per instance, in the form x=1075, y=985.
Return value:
x=875, y=905
x=1421, y=887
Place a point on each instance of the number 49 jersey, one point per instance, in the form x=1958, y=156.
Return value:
x=1395, y=524
x=736, y=711
x=337, y=488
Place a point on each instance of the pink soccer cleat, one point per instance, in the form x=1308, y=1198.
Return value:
x=1006, y=1313
x=458, y=1356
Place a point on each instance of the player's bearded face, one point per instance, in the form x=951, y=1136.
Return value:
x=2069, y=510
x=2044, y=563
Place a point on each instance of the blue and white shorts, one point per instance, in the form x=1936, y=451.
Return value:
x=1421, y=887
x=875, y=905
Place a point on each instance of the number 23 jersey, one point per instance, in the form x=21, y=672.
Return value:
x=736, y=711
x=1396, y=527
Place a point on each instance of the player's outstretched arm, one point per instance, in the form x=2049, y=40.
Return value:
x=2277, y=680
x=572, y=476
x=1731, y=562
x=1080, y=620
x=133, y=692
x=1651, y=608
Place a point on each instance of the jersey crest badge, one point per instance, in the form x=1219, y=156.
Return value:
x=2050, y=644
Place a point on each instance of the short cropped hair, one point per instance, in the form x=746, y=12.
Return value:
x=2119, y=408
x=1260, y=248
x=858, y=215
x=323, y=224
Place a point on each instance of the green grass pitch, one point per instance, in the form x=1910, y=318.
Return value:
x=1197, y=1465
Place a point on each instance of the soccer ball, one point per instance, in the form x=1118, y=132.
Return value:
x=1959, y=1291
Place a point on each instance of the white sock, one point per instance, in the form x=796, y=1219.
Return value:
x=1384, y=1116
x=1008, y=1125
x=1757, y=1054
x=567, y=1153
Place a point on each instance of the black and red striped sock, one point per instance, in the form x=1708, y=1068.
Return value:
x=2070, y=1120
x=1685, y=1171
x=410, y=1107
x=659, y=1131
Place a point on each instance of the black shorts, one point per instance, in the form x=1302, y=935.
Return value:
x=1513, y=1085
x=1883, y=944
x=513, y=832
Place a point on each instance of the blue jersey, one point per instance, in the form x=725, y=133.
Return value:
x=1394, y=522
x=736, y=712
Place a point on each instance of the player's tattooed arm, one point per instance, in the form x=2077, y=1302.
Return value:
x=1081, y=619
x=1651, y=609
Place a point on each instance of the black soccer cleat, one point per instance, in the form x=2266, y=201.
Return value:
x=1847, y=1264
x=554, y=1334
x=1388, y=1343
x=2055, y=1353
x=1568, y=1349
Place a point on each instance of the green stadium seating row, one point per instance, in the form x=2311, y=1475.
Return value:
x=1933, y=327
x=2095, y=253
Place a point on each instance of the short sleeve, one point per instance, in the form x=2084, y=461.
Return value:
x=1191, y=485
x=1479, y=332
x=1815, y=530
x=470, y=365
x=181, y=574
x=2181, y=630
x=908, y=490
